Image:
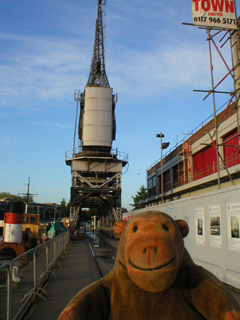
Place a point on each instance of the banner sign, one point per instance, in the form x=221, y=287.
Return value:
x=200, y=225
x=233, y=215
x=215, y=225
x=214, y=13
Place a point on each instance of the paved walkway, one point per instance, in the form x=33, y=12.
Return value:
x=76, y=272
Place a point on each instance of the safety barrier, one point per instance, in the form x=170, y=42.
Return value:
x=22, y=280
x=4, y=278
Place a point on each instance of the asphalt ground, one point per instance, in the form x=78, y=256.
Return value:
x=75, y=272
x=78, y=270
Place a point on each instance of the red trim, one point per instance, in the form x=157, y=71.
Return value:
x=204, y=162
x=14, y=218
x=231, y=155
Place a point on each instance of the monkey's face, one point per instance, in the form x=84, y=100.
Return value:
x=153, y=251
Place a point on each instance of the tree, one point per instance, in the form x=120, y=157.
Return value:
x=124, y=210
x=141, y=195
x=8, y=195
x=68, y=209
x=63, y=208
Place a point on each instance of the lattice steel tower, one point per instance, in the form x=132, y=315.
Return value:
x=96, y=169
x=97, y=76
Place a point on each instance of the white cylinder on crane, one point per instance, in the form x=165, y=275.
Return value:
x=97, y=118
x=13, y=228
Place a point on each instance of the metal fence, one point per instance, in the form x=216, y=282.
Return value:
x=22, y=280
x=4, y=278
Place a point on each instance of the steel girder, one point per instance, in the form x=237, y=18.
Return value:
x=94, y=194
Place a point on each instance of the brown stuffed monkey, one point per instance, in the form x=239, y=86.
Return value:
x=154, y=278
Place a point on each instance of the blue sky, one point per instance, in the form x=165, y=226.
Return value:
x=153, y=62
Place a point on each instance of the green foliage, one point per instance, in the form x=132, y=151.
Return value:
x=68, y=209
x=141, y=195
x=16, y=197
x=49, y=213
x=124, y=210
x=64, y=208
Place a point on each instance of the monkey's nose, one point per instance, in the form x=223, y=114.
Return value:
x=151, y=249
x=150, y=254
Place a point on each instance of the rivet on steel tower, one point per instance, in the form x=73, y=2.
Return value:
x=96, y=169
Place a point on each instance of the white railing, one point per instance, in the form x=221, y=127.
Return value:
x=22, y=280
x=4, y=279
x=114, y=153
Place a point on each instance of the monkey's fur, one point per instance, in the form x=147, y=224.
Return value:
x=153, y=278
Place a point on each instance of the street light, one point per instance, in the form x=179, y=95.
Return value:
x=162, y=146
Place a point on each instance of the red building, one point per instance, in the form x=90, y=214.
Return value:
x=192, y=167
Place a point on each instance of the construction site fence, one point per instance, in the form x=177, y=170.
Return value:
x=22, y=281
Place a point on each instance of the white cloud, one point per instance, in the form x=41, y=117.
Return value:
x=42, y=69
x=52, y=124
x=6, y=141
x=50, y=68
x=4, y=115
x=152, y=73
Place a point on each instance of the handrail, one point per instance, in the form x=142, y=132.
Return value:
x=188, y=135
x=114, y=153
x=230, y=161
x=37, y=267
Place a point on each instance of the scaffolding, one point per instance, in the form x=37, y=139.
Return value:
x=232, y=37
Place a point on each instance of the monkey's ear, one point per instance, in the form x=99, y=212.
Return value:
x=183, y=226
x=118, y=227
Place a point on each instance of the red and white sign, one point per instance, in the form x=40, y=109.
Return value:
x=214, y=13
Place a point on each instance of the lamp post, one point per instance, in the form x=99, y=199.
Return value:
x=162, y=146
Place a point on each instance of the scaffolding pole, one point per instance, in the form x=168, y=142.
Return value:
x=234, y=71
x=214, y=105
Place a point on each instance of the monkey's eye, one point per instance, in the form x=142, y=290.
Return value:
x=135, y=229
x=165, y=227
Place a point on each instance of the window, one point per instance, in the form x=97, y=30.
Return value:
x=178, y=175
x=152, y=186
x=154, y=181
x=204, y=162
x=166, y=181
x=33, y=219
x=150, y=183
x=231, y=148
